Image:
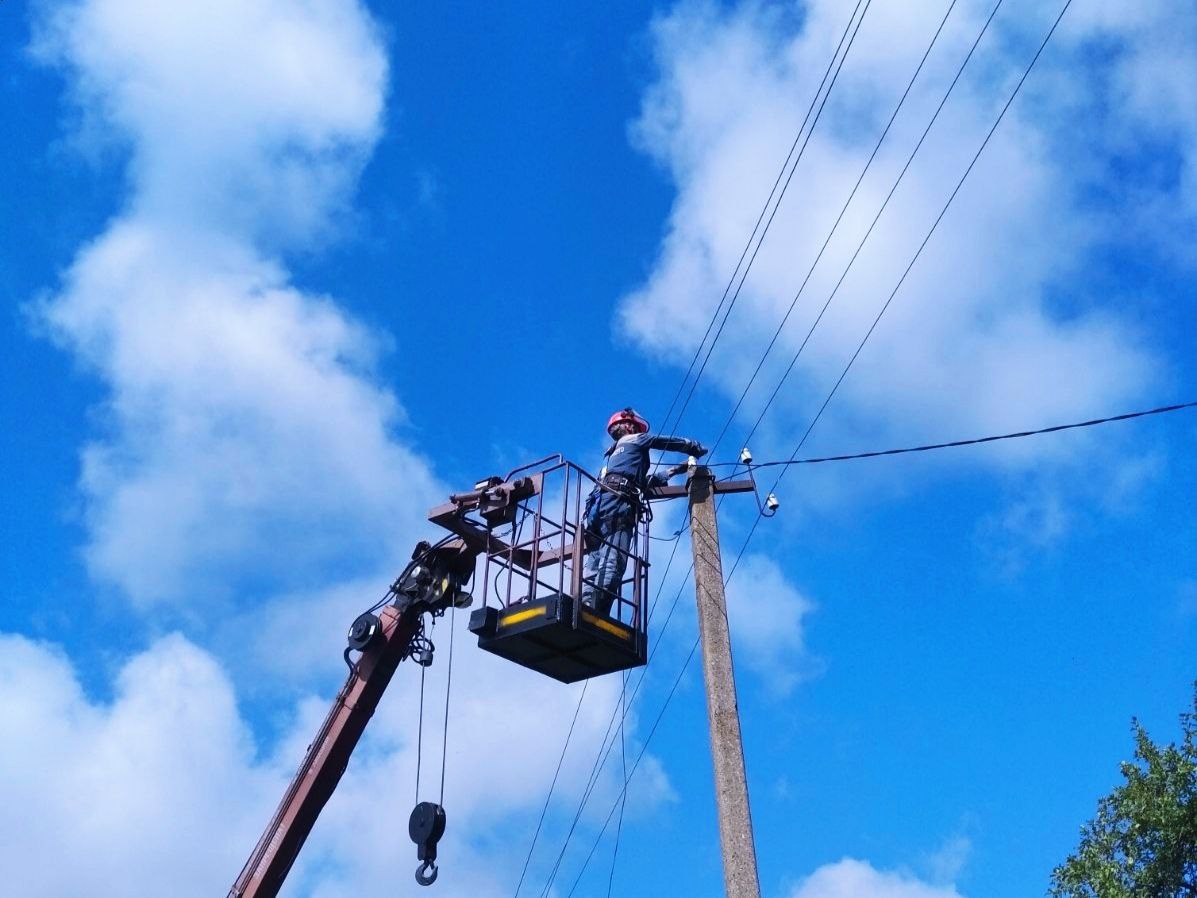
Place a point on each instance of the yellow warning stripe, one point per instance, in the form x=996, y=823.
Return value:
x=609, y=626
x=527, y=614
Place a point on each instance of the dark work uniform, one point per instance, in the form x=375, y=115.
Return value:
x=614, y=507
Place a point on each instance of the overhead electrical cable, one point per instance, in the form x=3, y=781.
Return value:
x=880, y=140
x=794, y=168
x=975, y=441
x=876, y=218
x=553, y=785
x=623, y=759
x=901, y=280
x=786, y=164
x=648, y=739
x=853, y=27
x=835, y=226
x=756, y=227
x=744, y=546
x=631, y=772
x=850, y=32
x=606, y=745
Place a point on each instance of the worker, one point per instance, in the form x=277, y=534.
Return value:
x=616, y=501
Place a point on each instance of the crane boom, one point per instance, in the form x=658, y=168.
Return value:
x=431, y=583
x=325, y=760
x=434, y=581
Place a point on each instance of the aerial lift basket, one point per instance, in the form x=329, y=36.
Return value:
x=528, y=527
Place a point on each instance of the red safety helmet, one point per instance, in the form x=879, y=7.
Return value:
x=627, y=416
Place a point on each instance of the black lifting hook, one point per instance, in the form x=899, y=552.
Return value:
x=426, y=826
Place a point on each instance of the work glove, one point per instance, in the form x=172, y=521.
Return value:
x=658, y=480
x=698, y=450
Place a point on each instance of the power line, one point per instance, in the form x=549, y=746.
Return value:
x=969, y=442
x=661, y=713
x=553, y=785
x=652, y=730
x=793, y=169
x=753, y=236
x=876, y=218
x=740, y=554
x=843, y=374
x=744, y=253
x=927, y=238
x=673, y=605
x=835, y=226
x=623, y=757
x=605, y=746
x=818, y=415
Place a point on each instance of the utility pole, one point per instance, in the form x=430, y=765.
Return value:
x=727, y=749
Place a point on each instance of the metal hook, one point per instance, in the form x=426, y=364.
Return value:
x=426, y=873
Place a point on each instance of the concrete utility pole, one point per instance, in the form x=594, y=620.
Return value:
x=727, y=749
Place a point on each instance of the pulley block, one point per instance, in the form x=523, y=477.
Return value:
x=426, y=826
x=364, y=631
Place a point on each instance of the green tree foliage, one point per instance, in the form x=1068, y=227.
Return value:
x=1143, y=841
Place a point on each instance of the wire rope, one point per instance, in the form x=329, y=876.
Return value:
x=420, y=733
x=448, y=690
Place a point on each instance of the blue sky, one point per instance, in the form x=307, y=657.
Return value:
x=278, y=276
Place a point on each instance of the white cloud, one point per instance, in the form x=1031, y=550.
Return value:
x=243, y=420
x=249, y=473
x=851, y=878
x=767, y=619
x=979, y=339
x=247, y=442
x=1152, y=71
x=155, y=792
x=165, y=778
x=946, y=863
x=244, y=116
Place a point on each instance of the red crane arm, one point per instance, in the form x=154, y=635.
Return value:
x=326, y=758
